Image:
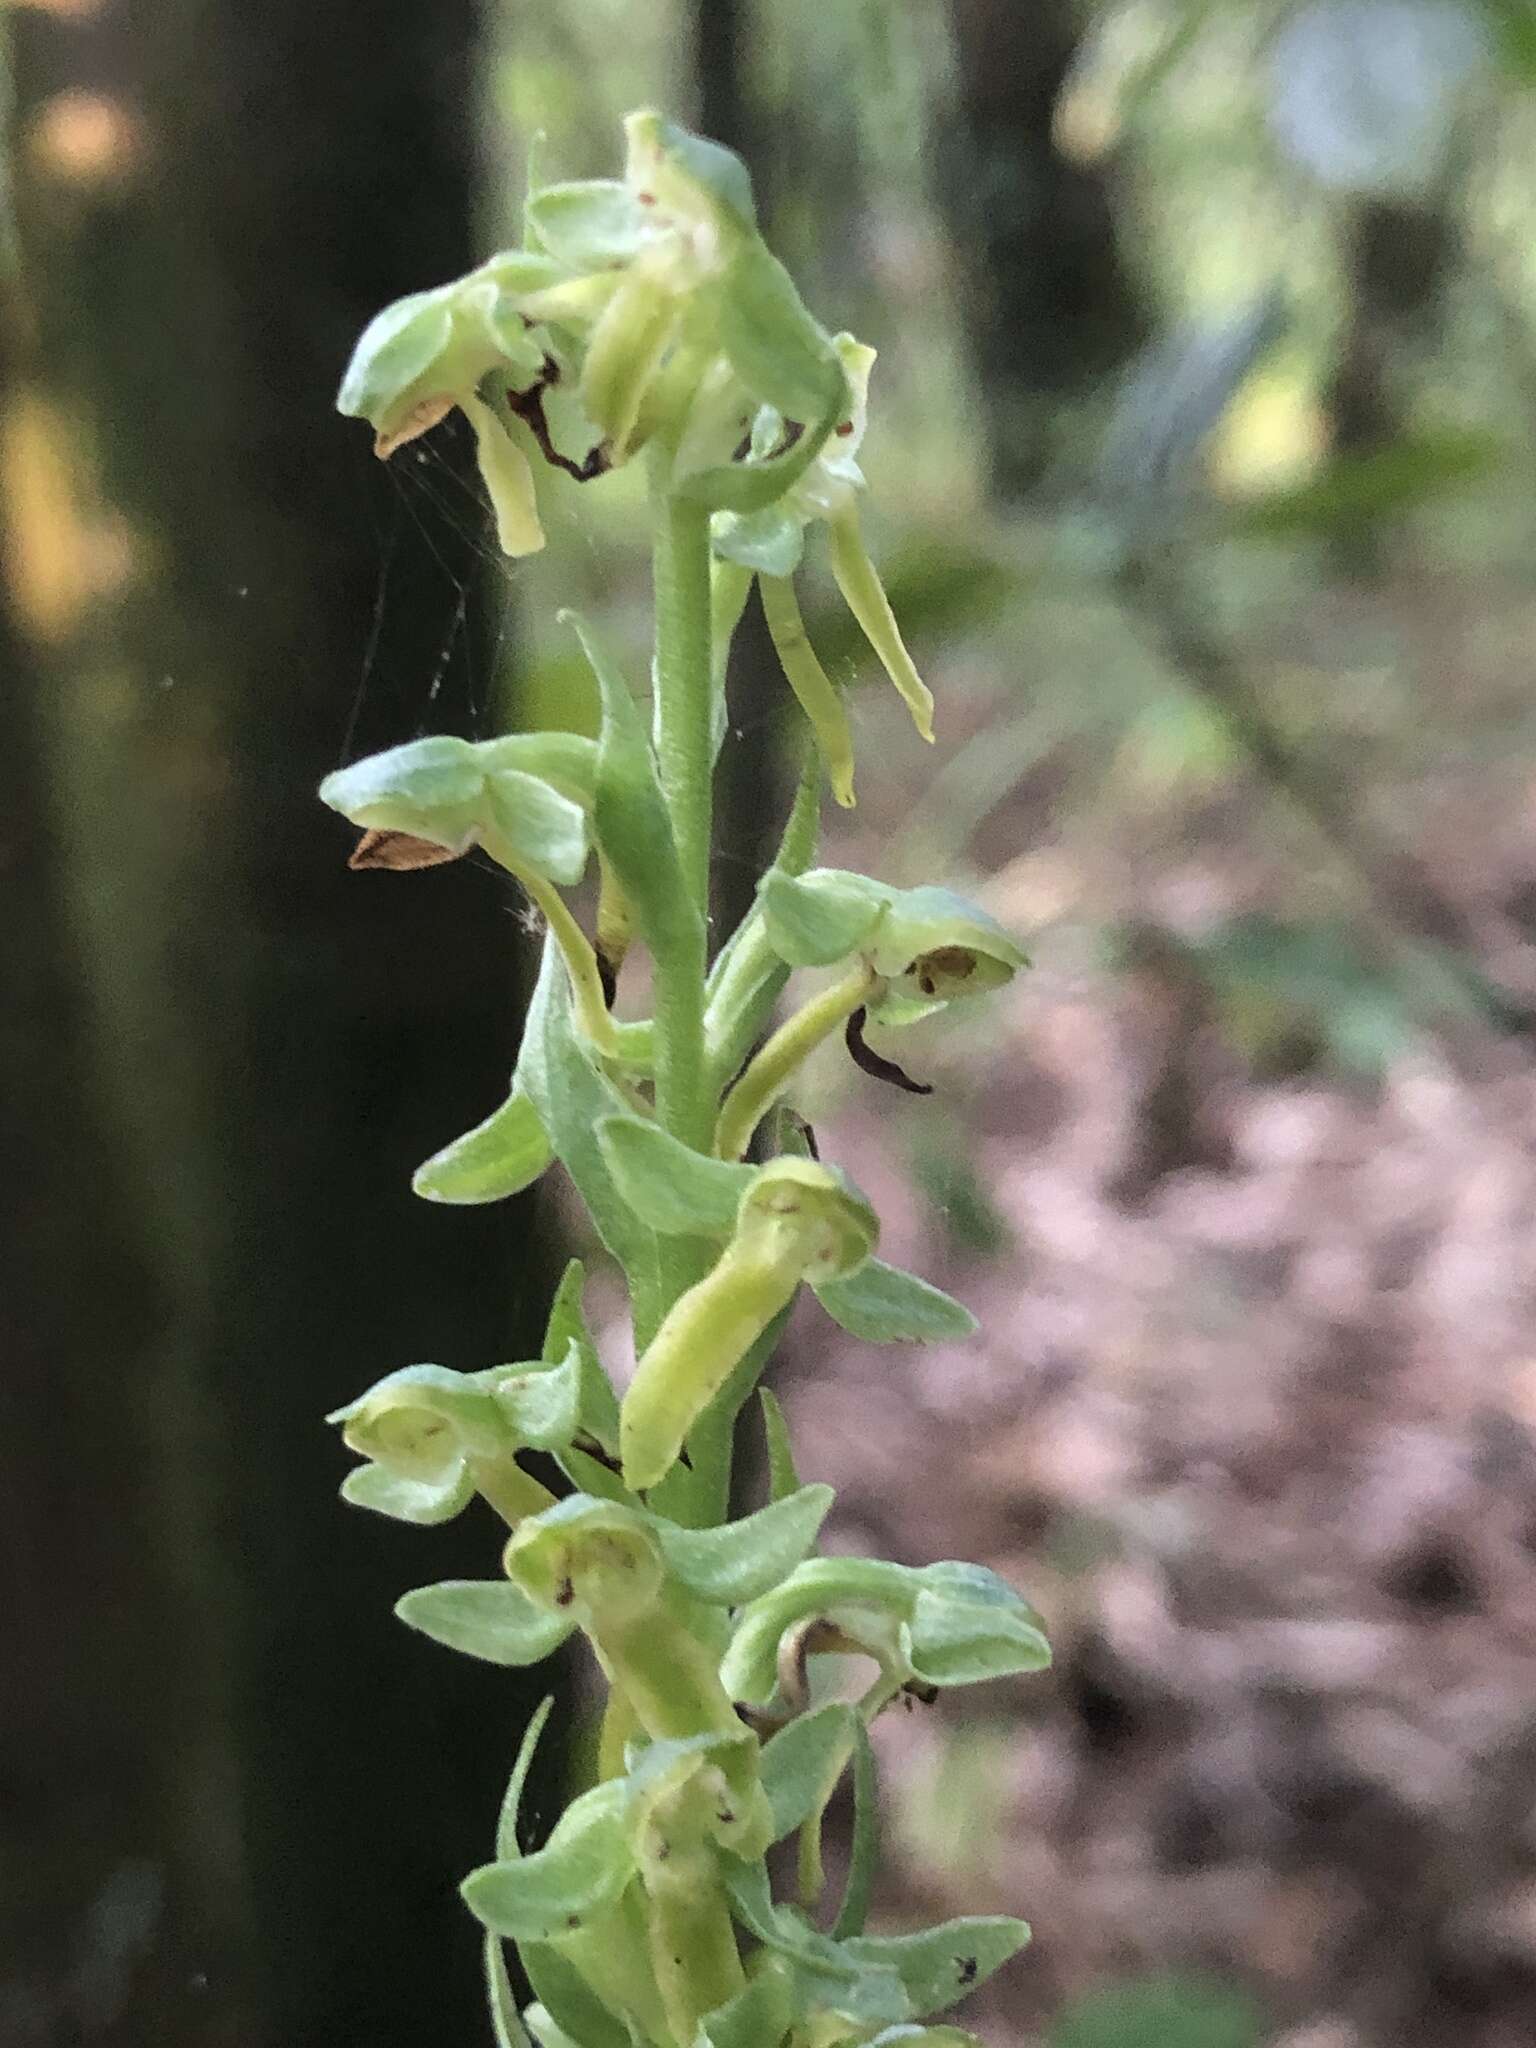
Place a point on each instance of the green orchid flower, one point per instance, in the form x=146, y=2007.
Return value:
x=797, y=1221
x=768, y=543
x=434, y=1438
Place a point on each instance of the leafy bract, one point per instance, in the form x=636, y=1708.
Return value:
x=499, y=1157
x=487, y=1618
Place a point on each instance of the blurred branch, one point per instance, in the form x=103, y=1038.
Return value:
x=1431, y=936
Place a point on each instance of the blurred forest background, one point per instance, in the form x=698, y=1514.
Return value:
x=1202, y=461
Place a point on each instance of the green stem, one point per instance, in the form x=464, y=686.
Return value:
x=575, y=948
x=685, y=762
x=780, y=1059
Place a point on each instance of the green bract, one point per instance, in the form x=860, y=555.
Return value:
x=646, y=1917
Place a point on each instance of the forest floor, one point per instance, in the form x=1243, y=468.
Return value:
x=1251, y=1415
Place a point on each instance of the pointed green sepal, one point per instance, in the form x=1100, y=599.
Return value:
x=783, y=1478
x=498, y=1158
x=880, y=1304
x=739, y=1561
x=680, y=1192
x=566, y=1996
x=484, y=1618
x=583, y=1867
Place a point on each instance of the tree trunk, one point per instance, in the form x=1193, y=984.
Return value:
x=1051, y=309
x=213, y=198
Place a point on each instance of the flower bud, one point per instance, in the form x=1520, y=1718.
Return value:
x=797, y=1221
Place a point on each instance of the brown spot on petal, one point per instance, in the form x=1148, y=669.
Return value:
x=400, y=852
x=418, y=421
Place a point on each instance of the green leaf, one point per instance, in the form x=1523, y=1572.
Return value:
x=540, y=828
x=584, y=1866
x=573, y=1098
x=508, y=1848
x=803, y=1761
x=739, y=1561
x=630, y=813
x=505, y=2023
x=817, y=919
x=485, y=1618
x=567, y=1325
x=758, y=2017
x=422, y=1501
x=943, y=1963
x=680, y=1192
x=498, y=1158
x=882, y=1305
x=569, y=1999
x=864, y=1851
x=783, y=1479
x=588, y=223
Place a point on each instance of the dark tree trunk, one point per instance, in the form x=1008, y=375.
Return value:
x=1399, y=257
x=751, y=792
x=263, y=1045
x=1051, y=309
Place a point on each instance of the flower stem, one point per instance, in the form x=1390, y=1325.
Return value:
x=775, y=1066
x=685, y=761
